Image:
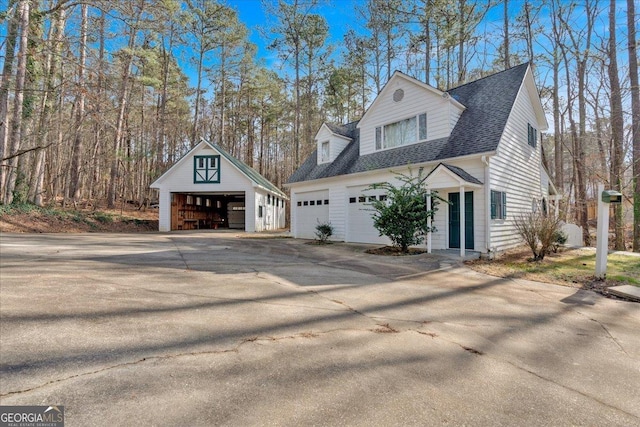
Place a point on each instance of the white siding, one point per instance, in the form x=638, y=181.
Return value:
x=416, y=100
x=180, y=179
x=273, y=216
x=164, y=223
x=353, y=224
x=515, y=169
x=336, y=143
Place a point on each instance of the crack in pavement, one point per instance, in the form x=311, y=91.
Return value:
x=184, y=260
x=234, y=349
x=610, y=336
x=524, y=369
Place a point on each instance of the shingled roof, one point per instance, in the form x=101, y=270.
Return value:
x=488, y=103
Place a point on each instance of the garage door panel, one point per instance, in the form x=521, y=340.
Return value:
x=311, y=208
x=360, y=218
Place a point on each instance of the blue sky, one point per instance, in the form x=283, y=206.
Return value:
x=338, y=13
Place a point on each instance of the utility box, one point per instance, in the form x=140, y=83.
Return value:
x=612, y=196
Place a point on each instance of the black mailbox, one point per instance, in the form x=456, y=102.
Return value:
x=611, y=196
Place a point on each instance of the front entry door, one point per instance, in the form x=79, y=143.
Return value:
x=454, y=220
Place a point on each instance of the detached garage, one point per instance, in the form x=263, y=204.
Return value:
x=210, y=189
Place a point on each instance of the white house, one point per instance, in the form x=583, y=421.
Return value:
x=479, y=144
x=209, y=189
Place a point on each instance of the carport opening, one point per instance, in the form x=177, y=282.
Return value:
x=207, y=211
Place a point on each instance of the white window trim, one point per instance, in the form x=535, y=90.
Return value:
x=417, y=141
x=322, y=157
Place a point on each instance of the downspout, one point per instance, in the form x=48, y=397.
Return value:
x=487, y=205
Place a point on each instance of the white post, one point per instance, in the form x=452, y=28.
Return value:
x=462, y=220
x=430, y=222
x=602, y=235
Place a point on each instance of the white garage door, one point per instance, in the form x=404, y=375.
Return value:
x=311, y=208
x=360, y=223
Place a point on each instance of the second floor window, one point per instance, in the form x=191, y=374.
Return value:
x=324, y=157
x=206, y=169
x=403, y=132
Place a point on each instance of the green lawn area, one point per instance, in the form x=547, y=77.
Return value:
x=570, y=267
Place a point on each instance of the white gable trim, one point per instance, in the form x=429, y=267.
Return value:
x=176, y=165
x=454, y=179
x=398, y=75
x=530, y=84
x=337, y=135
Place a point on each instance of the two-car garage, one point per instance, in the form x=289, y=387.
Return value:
x=313, y=208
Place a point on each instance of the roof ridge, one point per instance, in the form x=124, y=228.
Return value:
x=487, y=76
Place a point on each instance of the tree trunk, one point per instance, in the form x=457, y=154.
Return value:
x=617, y=127
x=119, y=131
x=7, y=69
x=507, y=63
x=16, y=122
x=74, y=184
x=635, y=119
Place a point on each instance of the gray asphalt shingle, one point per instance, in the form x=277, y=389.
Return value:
x=488, y=103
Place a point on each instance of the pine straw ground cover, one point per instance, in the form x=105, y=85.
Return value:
x=570, y=267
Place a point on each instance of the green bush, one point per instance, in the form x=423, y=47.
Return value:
x=404, y=216
x=103, y=217
x=324, y=230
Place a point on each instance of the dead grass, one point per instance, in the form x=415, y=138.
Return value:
x=573, y=267
x=27, y=218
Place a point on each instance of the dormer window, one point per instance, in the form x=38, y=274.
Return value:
x=324, y=152
x=404, y=132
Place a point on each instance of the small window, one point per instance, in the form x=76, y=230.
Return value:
x=362, y=199
x=383, y=197
x=260, y=208
x=326, y=201
x=306, y=203
x=379, y=138
x=352, y=199
x=372, y=198
x=189, y=200
x=268, y=199
x=498, y=204
x=198, y=201
x=312, y=203
x=532, y=136
x=318, y=202
x=299, y=203
x=324, y=157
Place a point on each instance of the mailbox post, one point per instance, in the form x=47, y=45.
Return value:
x=605, y=198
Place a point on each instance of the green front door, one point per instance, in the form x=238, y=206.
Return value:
x=454, y=220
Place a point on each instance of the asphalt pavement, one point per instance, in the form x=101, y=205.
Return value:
x=212, y=328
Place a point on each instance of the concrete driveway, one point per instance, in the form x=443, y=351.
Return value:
x=210, y=329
